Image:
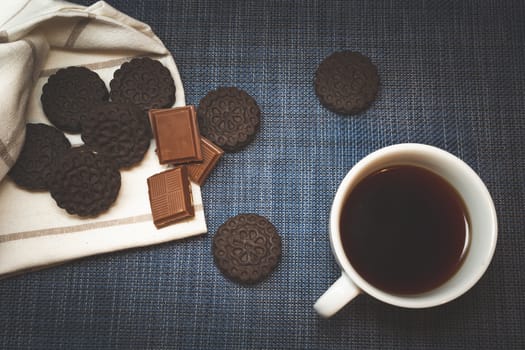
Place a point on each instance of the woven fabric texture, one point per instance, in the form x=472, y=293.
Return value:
x=452, y=75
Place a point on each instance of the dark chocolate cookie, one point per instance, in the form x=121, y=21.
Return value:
x=69, y=94
x=43, y=145
x=117, y=131
x=85, y=183
x=229, y=117
x=144, y=82
x=346, y=82
x=246, y=248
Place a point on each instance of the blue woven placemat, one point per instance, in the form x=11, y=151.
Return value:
x=452, y=75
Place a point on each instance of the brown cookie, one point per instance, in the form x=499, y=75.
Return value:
x=117, y=131
x=246, y=248
x=229, y=117
x=84, y=182
x=144, y=82
x=69, y=94
x=43, y=146
x=346, y=82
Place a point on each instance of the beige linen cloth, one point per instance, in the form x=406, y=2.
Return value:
x=37, y=37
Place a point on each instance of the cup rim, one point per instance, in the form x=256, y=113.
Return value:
x=426, y=299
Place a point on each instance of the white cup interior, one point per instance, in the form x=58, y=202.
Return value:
x=480, y=208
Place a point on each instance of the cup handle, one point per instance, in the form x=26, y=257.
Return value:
x=338, y=295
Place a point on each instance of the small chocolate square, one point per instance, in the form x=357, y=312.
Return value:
x=177, y=135
x=170, y=196
x=211, y=153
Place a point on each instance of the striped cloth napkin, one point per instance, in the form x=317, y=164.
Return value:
x=38, y=37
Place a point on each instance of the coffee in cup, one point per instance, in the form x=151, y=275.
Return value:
x=411, y=225
x=404, y=229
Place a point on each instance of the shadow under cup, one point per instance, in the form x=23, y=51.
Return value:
x=479, y=208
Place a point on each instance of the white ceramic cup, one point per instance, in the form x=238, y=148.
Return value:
x=479, y=206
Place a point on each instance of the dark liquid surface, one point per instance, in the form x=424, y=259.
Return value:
x=404, y=229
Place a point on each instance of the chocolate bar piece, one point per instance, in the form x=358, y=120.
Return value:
x=170, y=196
x=211, y=153
x=177, y=135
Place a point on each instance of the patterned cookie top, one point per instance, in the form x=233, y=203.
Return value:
x=85, y=183
x=346, y=82
x=69, y=94
x=247, y=248
x=229, y=117
x=117, y=131
x=144, y=82
x=43, y=145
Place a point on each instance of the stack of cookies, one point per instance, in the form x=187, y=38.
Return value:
x=114, y=127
